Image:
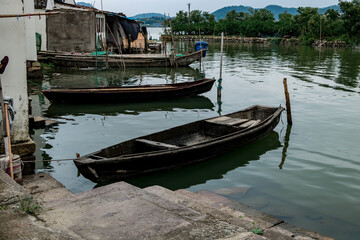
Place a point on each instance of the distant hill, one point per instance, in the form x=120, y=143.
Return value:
x=148, y=15
x=158, y=18
x=221, y=13
x=275, y=9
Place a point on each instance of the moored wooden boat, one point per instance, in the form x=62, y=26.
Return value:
x=129, y=93
x=85, y=60
x=179, y=146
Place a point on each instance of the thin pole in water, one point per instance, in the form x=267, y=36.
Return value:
x=221, y=59
x=287, y=98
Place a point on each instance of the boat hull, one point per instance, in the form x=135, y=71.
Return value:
x=139, y=93
x=125, y=166
x=119, y=61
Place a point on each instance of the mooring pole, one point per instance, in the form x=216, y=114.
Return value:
x=221, y=59
x=8, y=141
x=5, y=119
x=287, y=98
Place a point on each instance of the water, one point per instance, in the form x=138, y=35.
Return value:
x=308, y=175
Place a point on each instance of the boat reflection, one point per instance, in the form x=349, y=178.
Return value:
x=62, y=78
x=194, y=102
x=212, y=169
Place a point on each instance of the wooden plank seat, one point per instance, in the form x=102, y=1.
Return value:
x=235, y=122
x=156, y=144
x=229, y=121
x=249, y=124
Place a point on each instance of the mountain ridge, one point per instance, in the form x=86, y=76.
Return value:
x=221, y=13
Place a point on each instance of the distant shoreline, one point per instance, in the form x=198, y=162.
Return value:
x=259, y=40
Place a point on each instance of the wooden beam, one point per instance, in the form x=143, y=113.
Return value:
x=27, y=14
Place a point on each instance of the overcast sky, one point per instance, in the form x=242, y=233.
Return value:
x=133, y=7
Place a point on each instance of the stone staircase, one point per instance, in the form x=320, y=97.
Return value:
x=123, y=211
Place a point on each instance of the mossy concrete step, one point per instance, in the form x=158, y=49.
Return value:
x=237, y=214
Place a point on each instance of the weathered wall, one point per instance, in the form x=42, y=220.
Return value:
x=12, y=44
x=30, y=31
x=40, y=27
x=71, y=31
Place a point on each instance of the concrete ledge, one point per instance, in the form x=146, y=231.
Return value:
x=23, y=148
x=15, y=226
x=10, y=191
x=45, y=188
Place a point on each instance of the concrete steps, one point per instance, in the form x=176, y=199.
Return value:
x=123, y=211
x=235, y=213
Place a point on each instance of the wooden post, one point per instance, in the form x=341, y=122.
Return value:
x=5, y=119
x=8, y=141
x=221, y=59
x=287, y=98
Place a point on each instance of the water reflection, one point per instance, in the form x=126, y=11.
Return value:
x=213, y=169
x=194, y=102
x=327, y=67
x=62, y=78
x=286, y=145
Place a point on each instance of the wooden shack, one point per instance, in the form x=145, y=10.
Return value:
x=86, y=29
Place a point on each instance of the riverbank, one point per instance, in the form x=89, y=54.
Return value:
x=257, y=40
x=123, y=211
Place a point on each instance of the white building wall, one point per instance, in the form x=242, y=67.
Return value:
x=40, y=27
x=31, y=54
x=12, y=44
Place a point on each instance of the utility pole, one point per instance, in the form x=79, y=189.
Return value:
x=189, y=11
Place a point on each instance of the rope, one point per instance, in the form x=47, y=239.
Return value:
x=219, y=85
x=51, y=160
x=36, y=84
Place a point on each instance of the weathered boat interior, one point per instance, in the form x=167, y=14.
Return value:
x=189, y=134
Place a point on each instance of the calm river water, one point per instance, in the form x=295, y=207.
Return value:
x=307, y=174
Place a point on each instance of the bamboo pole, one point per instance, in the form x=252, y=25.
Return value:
x=221, y=60
x=27, y=14
x=5, y=119
x=9, y=141
x=287, y=98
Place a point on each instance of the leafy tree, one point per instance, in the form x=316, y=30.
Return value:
x=209, y=23
x=197, y=21
x=308, y=23
x=332, y=26
x=260, y=23
x=181, y=22
x=286, y=25
x=351, y=18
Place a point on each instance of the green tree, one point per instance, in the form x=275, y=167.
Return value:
x=286, y=25
x=260, y=23
x=181, y=22
x=332, y=25
x=307, y=21
x=209, y=23
x=197, y=21
x=351, y=19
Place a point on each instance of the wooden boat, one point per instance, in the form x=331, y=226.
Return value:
x=130, y=93
x=179, y=146
x=86, y=60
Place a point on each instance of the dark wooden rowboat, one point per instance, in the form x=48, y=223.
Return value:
x=130, y=93
x=84, y=60
x=179, y=146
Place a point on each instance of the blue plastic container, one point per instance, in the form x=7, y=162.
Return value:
x=201, y=45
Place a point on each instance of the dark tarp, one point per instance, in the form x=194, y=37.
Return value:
x=131, y=28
